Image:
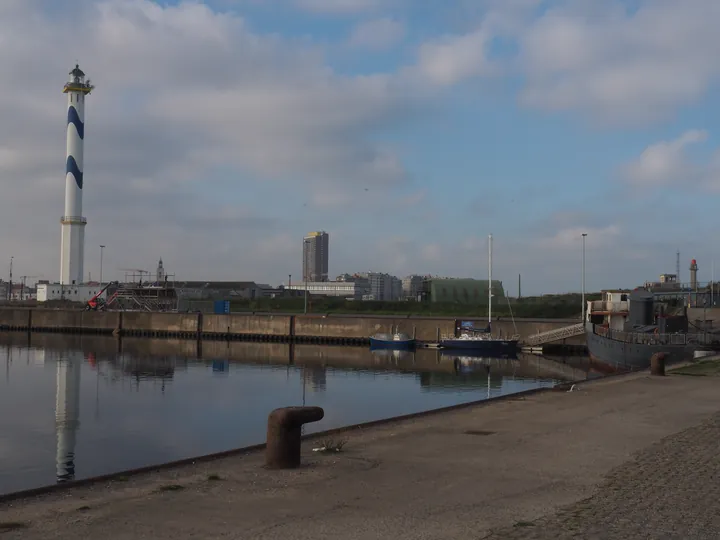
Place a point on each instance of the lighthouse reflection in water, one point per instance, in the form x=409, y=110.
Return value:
x=125, y=404
x=67, y=414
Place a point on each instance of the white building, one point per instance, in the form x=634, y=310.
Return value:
x=47, y=292
x=344, y=289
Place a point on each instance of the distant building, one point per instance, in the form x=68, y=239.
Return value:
x=21, y=291
x=343, y=289
x=412, y=287
x=219, y=290
x=667, y=282
x=316, y=246
x=397, y=288
x=361, y=281
x=160, y=273
x=383, y=287
x=460, y=291
x=48, y=292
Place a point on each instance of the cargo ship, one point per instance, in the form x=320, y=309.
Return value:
x=626, y=328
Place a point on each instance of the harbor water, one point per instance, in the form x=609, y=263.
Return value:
x=77, y=407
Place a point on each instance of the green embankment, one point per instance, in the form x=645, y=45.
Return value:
x=702, y=368
x=552, y=307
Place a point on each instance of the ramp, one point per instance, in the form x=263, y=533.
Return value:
x=553, y=335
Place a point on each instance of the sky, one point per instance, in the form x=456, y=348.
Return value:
x=220, y=132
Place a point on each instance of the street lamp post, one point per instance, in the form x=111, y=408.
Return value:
x=102, y=247
x=712, y=284
x=306, y=294
x=10, y=281
x=583, y=277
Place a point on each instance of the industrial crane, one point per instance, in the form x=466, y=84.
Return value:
x=96, y=303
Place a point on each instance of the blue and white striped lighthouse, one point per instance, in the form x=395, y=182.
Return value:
x=72, y=249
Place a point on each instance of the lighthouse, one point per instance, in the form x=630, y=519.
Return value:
x=72, y=247
x=693, y=275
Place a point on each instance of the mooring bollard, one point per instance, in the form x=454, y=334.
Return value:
x=657, y=364
x=283, y=435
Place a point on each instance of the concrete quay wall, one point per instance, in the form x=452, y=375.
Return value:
x=341, y=329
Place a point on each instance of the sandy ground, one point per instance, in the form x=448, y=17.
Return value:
x=629, y=457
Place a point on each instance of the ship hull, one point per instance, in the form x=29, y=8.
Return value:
x=621, y=356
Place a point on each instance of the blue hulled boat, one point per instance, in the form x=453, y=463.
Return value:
x=482, y=341
x=398, y=341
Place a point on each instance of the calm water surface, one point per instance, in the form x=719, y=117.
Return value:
x=79, y=407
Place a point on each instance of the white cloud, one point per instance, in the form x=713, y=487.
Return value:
x=571, y=237
x=377, y=34
x=341, y=7
x=618, y=64
x=666, y=163
x=602, y=59
x=451, y=59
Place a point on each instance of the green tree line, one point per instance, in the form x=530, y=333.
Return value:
x=550, y=306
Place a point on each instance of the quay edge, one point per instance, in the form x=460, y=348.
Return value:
x=311, y=328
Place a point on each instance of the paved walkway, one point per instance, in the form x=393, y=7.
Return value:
x=670, y=490
x=633, y=457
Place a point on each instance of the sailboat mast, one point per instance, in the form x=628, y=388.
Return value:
x=489, y=279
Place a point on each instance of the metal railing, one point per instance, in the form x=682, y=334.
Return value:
x=73, y=219
x=554, y=335
x=643, y=338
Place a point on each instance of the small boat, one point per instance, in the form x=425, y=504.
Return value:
x=397, y=340
x=482, y=341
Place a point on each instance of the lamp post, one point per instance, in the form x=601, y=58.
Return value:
x=306, y=294
x=101, y=261
x=583, y=277
x=10, y=281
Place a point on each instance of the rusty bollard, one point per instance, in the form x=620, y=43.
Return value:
x=657, y=364
x=283, y=435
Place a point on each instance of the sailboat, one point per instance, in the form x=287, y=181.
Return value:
x=483, y=340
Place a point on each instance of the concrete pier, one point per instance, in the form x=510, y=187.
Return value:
x=339, y=329
x=627, y=457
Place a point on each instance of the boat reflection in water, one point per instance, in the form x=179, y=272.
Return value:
x=471, y=371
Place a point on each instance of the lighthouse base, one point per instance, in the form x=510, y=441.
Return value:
x=72, y=250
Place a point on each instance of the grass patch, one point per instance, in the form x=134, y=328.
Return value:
x=524, y=524
x=121, y=478
x=330, y=446
x=7, y=526
x=171, y=487
x=213, y=477
x=707, y=368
